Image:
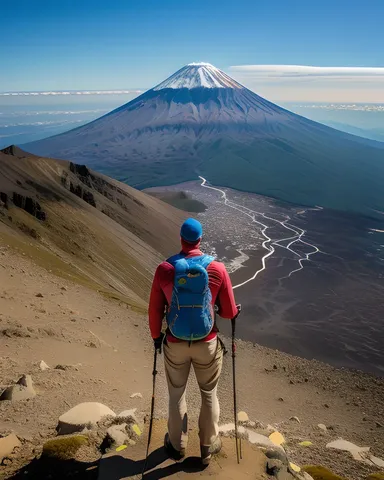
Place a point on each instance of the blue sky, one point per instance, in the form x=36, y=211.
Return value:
x=48, y=45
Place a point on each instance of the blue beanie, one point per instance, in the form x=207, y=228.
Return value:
x=191, y=230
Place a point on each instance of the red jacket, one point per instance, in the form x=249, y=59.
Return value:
x=162, y=286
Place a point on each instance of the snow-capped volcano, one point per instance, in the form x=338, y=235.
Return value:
x=196, y=75
x=200, y=121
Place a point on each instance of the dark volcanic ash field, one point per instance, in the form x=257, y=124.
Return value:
x=330, y=307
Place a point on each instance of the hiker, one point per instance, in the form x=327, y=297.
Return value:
x=186, y=288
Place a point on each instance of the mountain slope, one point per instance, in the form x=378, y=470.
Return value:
x=202, y=122
x=83, y=225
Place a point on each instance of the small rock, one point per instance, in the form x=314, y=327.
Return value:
x=64, y=289
x=326, y=405
x=322, y=427
x=84, y=415
x=136, y=395
x=379, y=425
x=39, y=295
x=67, y=367
x=242, y=417
x=291, y=382
x=43, y=366
x=281, y=399
x=23, y=390
x=275, y=367
x=8, y=444
x=295, y=419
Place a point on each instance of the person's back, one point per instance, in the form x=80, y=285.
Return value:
x=173, y=288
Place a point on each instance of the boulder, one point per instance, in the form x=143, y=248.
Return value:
x=84, y=415
x=8, y=444
x=23, y=390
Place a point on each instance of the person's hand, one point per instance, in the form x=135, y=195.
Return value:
x=158, y=342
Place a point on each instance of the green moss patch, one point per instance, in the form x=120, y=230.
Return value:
x=64, y=448
x=321, y=473
x=376, y=476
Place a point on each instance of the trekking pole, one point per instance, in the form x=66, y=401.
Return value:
x=238, y=440
x=154, y=373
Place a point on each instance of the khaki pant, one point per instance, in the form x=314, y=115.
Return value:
x=207, y=360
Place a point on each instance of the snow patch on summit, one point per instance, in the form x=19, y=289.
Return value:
x=195, y=75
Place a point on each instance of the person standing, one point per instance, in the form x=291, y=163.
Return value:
x=186, y=288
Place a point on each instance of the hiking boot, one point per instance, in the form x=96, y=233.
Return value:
x=207, y=451
x=171, y=451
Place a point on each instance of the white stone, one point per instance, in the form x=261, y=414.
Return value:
x=295, y=419
x=83, y=415
x=253, y=437
x=242, y=417
x=43, y=366
x=8, y=444
x=377, y=461
x=346, y=446
x=322, y=427
x=136, y=395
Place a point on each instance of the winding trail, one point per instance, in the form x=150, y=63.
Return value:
x=296, y=234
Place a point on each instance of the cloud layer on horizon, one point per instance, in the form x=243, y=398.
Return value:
x=69, y=92
x=312, y=83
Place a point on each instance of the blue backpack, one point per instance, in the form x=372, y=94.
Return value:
x=190, y=316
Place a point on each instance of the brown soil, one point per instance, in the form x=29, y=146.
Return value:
x=109, y=353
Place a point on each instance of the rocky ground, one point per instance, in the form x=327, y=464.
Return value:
x=98, y=350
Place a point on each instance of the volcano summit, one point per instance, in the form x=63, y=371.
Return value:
x=200, y=121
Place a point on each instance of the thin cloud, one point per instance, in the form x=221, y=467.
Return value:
x=295, y=71
x=313, y=83
x=80, y=92
x=341, y=106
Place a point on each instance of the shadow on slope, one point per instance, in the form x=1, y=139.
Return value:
x=84, y=226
